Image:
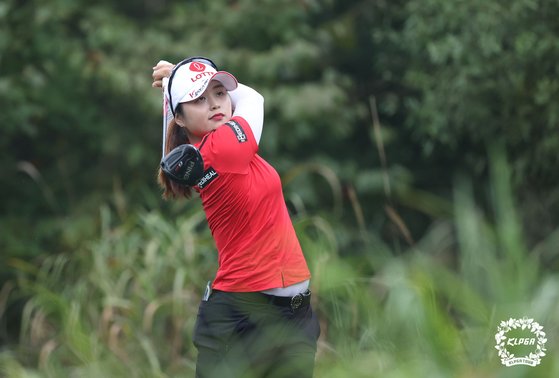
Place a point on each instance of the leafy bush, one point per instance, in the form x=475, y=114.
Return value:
x=125, y=305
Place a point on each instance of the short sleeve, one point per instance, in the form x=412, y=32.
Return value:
x=230, y=148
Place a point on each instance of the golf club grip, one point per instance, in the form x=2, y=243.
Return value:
x=167, y=115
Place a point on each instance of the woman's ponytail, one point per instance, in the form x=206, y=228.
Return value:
x=176, y=136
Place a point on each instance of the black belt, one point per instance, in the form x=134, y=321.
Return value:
x=295, y=302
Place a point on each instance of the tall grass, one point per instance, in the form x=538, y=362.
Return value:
x=434, y=311
x=125, y=305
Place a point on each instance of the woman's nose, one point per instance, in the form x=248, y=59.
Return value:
x=214, y=104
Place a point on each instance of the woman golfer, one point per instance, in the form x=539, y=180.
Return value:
x=257, y=321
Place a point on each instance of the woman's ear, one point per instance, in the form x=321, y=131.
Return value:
x=179, y=120
x=179, y=116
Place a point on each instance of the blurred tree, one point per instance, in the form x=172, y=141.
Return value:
x=75, y=120
x=80, y=123
x=485, y=72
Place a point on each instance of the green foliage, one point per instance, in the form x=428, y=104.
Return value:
x=485, y=72
x=80, y=117
x=462, y=96
x=125, y=305
x=131, y=296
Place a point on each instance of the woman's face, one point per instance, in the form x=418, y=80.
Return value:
x=206, y=113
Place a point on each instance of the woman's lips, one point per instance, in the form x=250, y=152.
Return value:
x=217, y=117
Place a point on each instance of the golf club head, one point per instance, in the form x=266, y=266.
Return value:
x=184, y=165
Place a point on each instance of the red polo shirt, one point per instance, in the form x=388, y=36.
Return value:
x=246, y=212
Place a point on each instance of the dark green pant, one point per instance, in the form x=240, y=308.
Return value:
x=243, y=335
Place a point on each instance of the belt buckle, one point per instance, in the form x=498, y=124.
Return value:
x=296, y=301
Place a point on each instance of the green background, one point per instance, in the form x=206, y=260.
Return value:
x=417, y=144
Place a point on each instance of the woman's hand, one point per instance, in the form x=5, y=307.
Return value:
x=162, y=69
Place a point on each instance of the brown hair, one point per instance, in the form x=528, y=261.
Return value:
x=176, y=136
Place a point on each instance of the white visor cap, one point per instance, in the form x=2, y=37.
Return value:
x=190, y=80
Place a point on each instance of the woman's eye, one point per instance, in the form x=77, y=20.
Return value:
x=200, y=99
x=220, y=93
